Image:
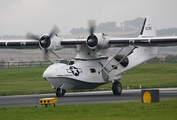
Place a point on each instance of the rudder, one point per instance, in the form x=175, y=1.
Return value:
x=148, y=28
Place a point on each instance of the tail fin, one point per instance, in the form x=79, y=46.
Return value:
x=148, y=28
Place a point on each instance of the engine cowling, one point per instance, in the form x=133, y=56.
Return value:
x=98, y=41
x=50, y=43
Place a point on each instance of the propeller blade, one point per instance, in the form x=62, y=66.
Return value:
x=92, y=40
x=91, y=26
x=55, y=30
x=32, y=36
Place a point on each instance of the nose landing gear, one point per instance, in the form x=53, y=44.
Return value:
x=60, y=92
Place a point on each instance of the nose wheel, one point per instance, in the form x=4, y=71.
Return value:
x=117, y=88
x=60, y=92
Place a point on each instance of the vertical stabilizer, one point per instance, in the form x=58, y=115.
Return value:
x=148, y=28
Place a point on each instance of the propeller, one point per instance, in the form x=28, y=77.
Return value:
x=92, y=40
x=45, y=40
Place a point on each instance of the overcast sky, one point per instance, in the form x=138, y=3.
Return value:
x=17, y=17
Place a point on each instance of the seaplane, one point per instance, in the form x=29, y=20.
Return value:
x=90, y=67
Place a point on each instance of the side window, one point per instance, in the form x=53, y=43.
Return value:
x=92, y=70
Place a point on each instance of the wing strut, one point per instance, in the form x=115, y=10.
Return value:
x=56, y=55
x=120, y=60
x=111, y=59
x=47, y=55
x=107, y=72
x=124, y=58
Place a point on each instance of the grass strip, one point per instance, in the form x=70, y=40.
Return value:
x=135, y=110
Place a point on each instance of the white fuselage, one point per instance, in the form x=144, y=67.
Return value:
x=80, y=75
x=87, y=73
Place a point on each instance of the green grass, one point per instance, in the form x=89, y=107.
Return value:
x=23, y=81
x=149, y=76
x=135, y=110
x=29, y=80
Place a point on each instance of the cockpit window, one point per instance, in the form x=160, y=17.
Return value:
x=63, y=61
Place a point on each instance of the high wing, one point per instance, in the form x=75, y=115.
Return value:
x=73, y=42
x=34, y=44
x=151, y=42
x=147, y=38
x=94, y=41
x=120, y=42
x=19, y=44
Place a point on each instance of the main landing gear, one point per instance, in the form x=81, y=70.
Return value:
x=60, y=92
x=117, y=88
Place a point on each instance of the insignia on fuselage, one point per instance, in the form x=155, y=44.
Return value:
x=75, y=71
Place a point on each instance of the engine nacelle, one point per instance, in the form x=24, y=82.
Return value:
x=98, y=41
x=50, y=43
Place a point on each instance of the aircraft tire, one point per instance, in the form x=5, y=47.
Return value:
x=63, y=92
x=60, y=92
x=117, y=88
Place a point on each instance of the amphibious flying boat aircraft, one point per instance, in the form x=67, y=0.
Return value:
x=89, y=69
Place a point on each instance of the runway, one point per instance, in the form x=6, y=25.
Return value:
x=82, y=97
